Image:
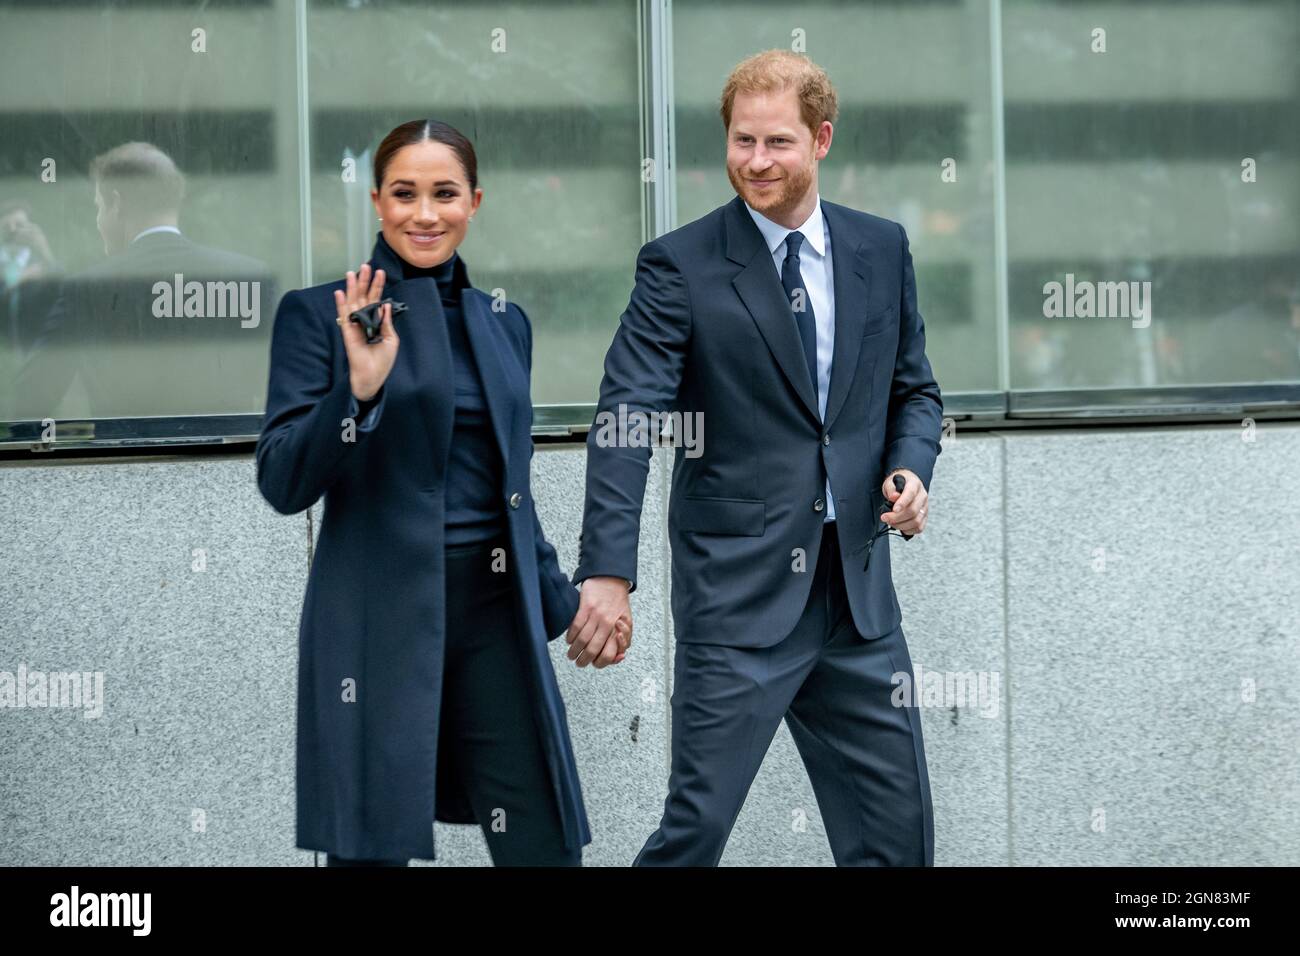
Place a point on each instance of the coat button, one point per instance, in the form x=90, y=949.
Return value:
x=514, y=500
x=819, y=505
x=826, y=439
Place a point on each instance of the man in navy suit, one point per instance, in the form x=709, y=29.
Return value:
x=790, y=326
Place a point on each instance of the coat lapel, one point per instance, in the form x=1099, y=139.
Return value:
x=425, y=339
x=852, y=277
x=425, y=354
x=761, y=291
x=486, y=342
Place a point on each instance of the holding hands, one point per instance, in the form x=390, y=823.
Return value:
x=601, y=632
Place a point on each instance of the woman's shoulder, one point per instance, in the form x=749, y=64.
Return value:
x=498, y=302
x=313, y=295
x=311, y=306
x=309, y=311
x=505, y=310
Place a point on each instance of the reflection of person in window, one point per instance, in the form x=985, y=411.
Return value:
x=24, y=251
x=28, y=284
x=104, y=329
x=433, y=592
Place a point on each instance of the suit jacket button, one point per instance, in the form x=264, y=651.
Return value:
x=819, y=505
x=826, y=439
x=514, y=500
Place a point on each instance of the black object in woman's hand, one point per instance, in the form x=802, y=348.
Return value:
x=368, y=317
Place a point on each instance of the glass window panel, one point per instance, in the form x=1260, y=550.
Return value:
x=90, y=326
x=1122, y=167
x=1125, y=167
x=548, y=93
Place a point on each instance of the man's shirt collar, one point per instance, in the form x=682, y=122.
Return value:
x=813, y=229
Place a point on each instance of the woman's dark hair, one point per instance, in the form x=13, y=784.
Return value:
x=422, y=131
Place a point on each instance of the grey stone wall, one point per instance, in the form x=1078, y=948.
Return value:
x=1131, y=599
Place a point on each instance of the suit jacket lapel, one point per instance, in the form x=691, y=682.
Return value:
x=852, y=277
x=760, y=289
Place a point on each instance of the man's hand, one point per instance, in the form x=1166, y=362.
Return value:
x=601, y=631
x=908, y=506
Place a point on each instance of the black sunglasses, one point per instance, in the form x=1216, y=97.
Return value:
x=899, y=484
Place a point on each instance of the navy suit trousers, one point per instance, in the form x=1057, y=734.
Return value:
x=864, y=755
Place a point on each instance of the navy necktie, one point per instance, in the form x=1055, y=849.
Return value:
x=797, y=294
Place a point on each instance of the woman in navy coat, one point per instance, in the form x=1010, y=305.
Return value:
x=425, y=688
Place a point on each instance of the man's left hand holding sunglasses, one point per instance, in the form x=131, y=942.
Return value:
x=908, y=507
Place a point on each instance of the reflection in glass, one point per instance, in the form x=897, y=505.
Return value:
x=1147, y=145
x=1153, y=146
x=206, y=91
x=154, y=328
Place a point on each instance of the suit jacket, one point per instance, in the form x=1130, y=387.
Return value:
x=367, y=778
x=709, y=329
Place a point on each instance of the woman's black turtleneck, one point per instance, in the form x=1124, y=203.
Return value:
x=475, y=470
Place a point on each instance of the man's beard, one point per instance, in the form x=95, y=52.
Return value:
x=790, y=189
